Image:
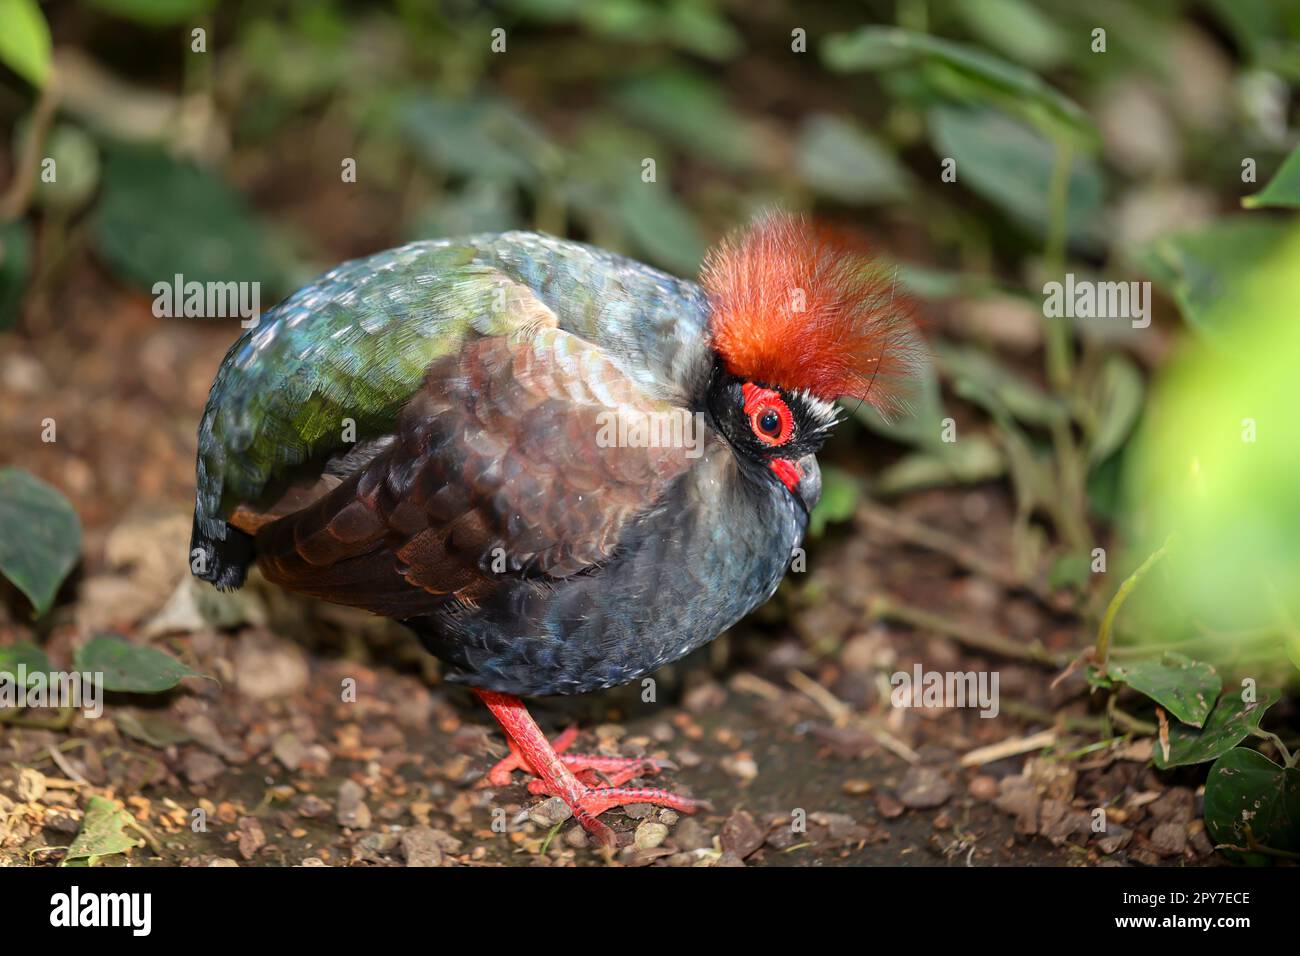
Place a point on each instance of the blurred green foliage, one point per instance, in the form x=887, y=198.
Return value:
x=986, y=147
x=25, y=40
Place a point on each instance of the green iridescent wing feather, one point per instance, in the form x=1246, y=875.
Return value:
x=355, y=345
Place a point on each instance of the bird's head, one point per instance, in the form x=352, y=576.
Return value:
x=800, y=316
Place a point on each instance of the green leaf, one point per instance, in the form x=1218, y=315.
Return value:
x=40, y=536
x=1255, y=25
x=838, y=502
x=1223, y=275
x=920, y=424
x=1105, y=486
x=838, y=159
x=26, y=654
x=1283, y=189
x=207, y=234
x=1218, y=455
x=156, y=730
x=481, y=138
x=155, y=12
x=1251, y=801
x=1182, y=686
x=992, y=79
x=1070, y=570
x=980, y=378
x=1117, y=399
x=481, y=206
x=929, y=282
x=1011, y=166
x=691, y=25
x=76, y=167
x=15, y=268
x=25, y=40
x=690, y=111
x=697, y=28
x=1229, y=723
x=972, y=460
x=1018, y=29
x=661, y=226
x=102, y=834
x=131, y=668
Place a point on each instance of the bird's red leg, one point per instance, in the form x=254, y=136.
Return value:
x=530, y=747
x=499, y=775
x=616, y=770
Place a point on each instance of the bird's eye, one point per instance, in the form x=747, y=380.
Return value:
x=769, y=416
x=772, y=423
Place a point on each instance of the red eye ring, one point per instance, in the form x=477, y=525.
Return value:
x=762, y=405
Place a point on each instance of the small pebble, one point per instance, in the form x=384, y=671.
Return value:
x=888, y=806
x=201, y=767
x=1169, y=838
x=740, y=766
x=691, y=834
x=352, y=810
x=251, y=837
x=550, y=812
x=649, y=834
x=741, y=834
x=420, y=847
x=923, y=788
x=31, y=785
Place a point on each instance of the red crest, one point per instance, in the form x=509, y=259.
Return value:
x=805, y=307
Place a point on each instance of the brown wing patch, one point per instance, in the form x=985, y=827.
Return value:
x=506, y=462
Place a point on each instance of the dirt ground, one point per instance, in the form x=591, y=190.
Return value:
x=784, y=725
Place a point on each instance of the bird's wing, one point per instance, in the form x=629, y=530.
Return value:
x=311, y=395
x=331, y=366
x=521, y=454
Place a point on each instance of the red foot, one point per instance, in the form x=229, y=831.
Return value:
x=606, y=774
x=617, y=770
x=499, y=775
x=585, y=794
x=596, y=800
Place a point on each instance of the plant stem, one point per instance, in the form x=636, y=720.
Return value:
x=1265, y=850
x=13, y=204
x=961, y=553
x=1128, y=721
x=1057, y=336
x=1286, y=755
x=1108, y=621
x=1020, y=708
x=883, y=608
x=13, y=718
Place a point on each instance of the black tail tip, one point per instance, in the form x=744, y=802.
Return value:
x=221, y=561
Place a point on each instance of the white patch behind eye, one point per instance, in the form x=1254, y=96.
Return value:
x=824, y=414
